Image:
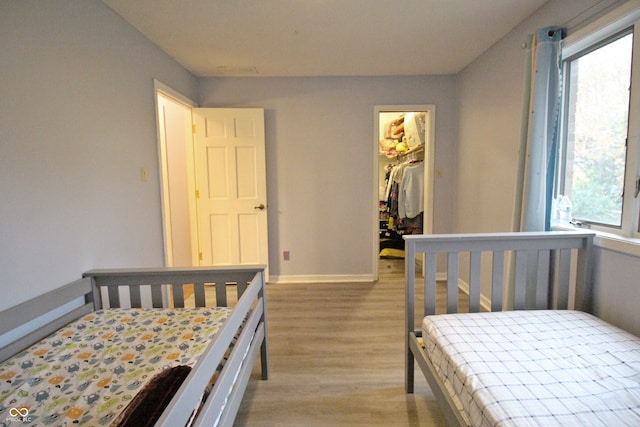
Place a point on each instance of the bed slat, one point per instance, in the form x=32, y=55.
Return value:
x=178, y=295
x=542, y=279
x=199, y=295
x=240, y=288
x=114, y=296
x=453, y=277
x=430, y=283
x=564, y=278
x=520, y=282
x=221, y=294
x=475, y=265
x=134, y=295
x=497, y=280
x=582, y=292
x=156, y=297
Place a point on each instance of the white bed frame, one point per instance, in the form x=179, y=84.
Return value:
x=548, y=270
x=76, y=299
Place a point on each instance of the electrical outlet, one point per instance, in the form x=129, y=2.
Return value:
x=286, y=255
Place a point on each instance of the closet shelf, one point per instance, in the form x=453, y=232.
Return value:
x=416, y=149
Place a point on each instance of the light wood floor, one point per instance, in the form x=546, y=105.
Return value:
x=337, y=358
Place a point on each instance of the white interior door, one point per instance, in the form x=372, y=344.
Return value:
x=231, y=191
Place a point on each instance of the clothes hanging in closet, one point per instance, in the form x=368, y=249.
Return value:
x=411, y=191
x=404, y=195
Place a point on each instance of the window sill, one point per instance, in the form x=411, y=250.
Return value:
x=610, y=241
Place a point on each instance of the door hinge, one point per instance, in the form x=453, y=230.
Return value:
x=635, y=193
x=197, y=194
x=193, y=128
x=200, y=256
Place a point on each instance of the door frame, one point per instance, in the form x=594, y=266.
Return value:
x=188, y=104
x=429, y=168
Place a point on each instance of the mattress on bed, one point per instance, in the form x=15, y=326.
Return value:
x=542, y=368
x=88, y=371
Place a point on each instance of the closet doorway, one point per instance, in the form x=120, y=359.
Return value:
x=404, y=137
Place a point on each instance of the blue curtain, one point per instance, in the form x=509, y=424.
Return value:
x=539, y=143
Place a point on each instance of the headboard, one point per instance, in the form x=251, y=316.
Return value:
x=557, y=264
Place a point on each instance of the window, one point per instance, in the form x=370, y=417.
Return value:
x=597, y=105
x=599, y=166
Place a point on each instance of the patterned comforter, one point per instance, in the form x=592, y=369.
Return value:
x=88, y=371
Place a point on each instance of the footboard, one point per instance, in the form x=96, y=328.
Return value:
x=245, y=328
x=231, y=353
x=525, y=271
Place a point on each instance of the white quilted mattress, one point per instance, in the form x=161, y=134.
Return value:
x=537, y=368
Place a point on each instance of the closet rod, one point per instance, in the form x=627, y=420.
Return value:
x=407, y=155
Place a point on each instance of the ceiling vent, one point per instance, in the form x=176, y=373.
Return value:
x=226, y=70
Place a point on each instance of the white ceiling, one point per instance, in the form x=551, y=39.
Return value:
x=324, y=37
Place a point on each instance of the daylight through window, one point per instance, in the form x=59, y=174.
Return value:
x=595, y=171
x=596, y=131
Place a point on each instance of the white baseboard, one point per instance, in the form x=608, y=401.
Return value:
x=485, y=303
x=328, y=278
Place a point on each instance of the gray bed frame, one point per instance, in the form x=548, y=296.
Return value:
x=546, y=269
x=145, y=287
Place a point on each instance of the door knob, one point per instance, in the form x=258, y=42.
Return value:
x=261, y=206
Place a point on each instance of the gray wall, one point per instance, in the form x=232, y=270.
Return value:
x=616, y=289
x=77, y=122
x=320, y=144
x=490, y=97
x=490, y=94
